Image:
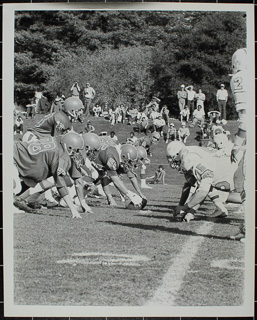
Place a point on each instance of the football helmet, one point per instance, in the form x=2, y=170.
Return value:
x=239, y=60
x=155, y=137
x=92, y=144
x=142, y=154
x=72, y=142
x=128, y=155
x=189, y=160
x=72, y=105
x=172, y=152
x=220, y=140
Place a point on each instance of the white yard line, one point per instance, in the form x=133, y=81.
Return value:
x=166, y=294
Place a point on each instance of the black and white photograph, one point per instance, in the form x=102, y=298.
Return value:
x=129, y=162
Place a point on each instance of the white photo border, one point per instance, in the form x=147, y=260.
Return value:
x=12, y=310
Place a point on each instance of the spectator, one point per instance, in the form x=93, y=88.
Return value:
x=118, y=114
x=75, y=90
x=159, y=176
x=190, y=98
x=172, y=132
x=123, y=113
x=153, y=105
x=222, y=98
x=132, y=138
x=182, y=96
x=200, y=98
x=112, y=115
x=143, y=123
x=183, y=132
x=31, y=108
x=89, y=127
x=198, y=116
x=97, y=110
x=18, y=125
x=132, y=115
x=38, y=95
x=114, y=137
x=166, y=133
x=89, y=94
x=158, y=124
x=214, y=116
x=184, y=114
x=56, y=105
x=165, y=114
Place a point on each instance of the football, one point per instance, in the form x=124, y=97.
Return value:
x=132, y=206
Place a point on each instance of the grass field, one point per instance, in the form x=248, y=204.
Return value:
x=118, y=257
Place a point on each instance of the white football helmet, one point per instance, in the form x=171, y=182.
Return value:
x=220, y=140
x=239, y=60
x=189, y=160
x=172, y=152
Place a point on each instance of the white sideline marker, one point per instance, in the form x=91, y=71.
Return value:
x=165, y=295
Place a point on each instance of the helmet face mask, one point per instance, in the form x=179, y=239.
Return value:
x=173, y=154
x=72, y=143
x=129, y=156
x=220, y=140
x=71, y=106
x=92, y=145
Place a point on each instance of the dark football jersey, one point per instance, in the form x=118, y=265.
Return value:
x=36, y=161
x=51, y=125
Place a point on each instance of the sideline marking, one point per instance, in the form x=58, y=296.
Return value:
x=228, y=264
x=105, y=259
x=165, y=295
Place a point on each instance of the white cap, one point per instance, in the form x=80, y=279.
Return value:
x=182, y=86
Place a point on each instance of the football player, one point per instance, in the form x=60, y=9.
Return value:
x=44, y=163
x=206, y=171
x=147, y=141
x=56, y=123
x=110, y=163
x=238, y=84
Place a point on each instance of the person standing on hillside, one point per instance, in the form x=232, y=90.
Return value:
x=89, y=94
x=182, y=96
x=190, y=98
x=200, y=98
x=222, y=98
x=75, y=89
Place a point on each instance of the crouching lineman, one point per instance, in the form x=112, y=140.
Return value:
x=110, y=163
x=238, y=84
x=207, y=172
x=56, y=123
x=41, y=164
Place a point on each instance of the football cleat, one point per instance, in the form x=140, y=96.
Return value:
x=188, y=217
x=238, y=236
x=218, y=214
x=22, y=205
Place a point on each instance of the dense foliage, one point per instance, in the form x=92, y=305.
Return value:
x=127, y=56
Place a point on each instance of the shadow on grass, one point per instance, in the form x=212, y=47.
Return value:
x=166, y=229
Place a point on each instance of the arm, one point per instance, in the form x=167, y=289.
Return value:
x=136, y=186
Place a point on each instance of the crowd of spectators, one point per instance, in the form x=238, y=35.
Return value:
x=152, y=117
